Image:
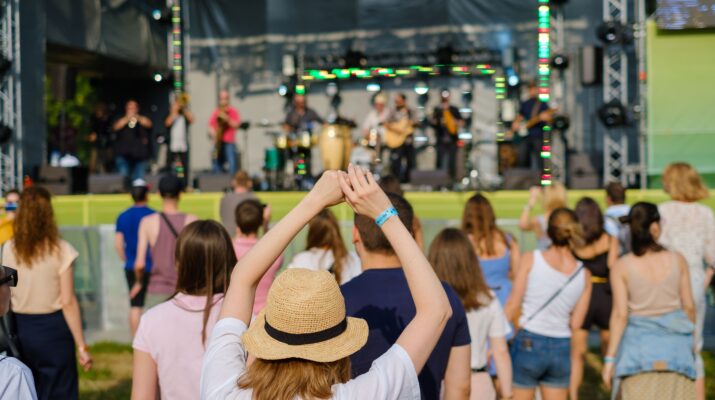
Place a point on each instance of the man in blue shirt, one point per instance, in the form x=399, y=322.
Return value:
x=125, y=242
x=532, y=109
x=380, y=295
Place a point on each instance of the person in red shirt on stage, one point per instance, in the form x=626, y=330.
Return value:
x=222, y=129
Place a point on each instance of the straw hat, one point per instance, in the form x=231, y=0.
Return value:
x=305, y=318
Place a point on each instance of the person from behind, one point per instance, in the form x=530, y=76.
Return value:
x=172, y=337
x=16, y=380
x=125, y=243
x=249, y=218
x=452, y=257
x=688, y=227
x=598, y=255
x=47, y=313
x=652, y=323
x=303, y=340
x=12, y=198
x=381, y=296
x=552, y=197
x=616, y=208
x=551, y=289
x=241, y=189
x=158, y=233
x=326, y=251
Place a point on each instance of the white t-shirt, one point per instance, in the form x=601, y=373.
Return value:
x=486, y=322
x=391, y=377
x=16, y=380
x=322, y=260
x=177, y=140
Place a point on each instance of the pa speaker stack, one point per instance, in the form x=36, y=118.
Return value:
x=63, y=181
x=106, y=183
x=435, y=179
x=521, y=178
x=210, y=182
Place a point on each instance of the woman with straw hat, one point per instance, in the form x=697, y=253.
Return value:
x=302, y=340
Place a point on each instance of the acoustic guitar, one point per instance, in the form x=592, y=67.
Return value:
x=524, y=127
x=397, y=132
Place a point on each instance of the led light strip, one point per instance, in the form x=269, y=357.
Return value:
x=543, y=82
x=177, y=56
x=389, y=72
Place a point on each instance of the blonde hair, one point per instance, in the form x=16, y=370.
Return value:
x=682, y=182
x=324, y=232
x=553, y=197
x=293, y=377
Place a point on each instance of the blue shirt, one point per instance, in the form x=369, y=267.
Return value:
x=128, y=225
x=527, y=109
x=383, y=299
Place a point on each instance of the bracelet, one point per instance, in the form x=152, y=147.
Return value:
x=609, y=360
x=385, y=215
x=83, y=348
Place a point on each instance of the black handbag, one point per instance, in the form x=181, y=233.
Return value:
x=9, y=340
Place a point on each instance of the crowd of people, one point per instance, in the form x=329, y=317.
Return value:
x=472, y=316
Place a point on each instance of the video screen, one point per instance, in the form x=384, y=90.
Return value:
x=686, y=14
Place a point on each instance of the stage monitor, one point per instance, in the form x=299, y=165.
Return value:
x=686, y=14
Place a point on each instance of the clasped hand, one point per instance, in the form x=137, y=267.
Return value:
x=357, y=187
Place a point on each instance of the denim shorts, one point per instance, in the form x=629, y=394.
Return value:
x=540, y=360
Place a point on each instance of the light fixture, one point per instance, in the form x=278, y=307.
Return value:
x=373, y=87
x=283, y=90
x=612, y=114
x=421, y=88
x=300, y=90
x=513, y=80
x=559, y=61
x=613, y=32
x=560, y=123
x=158, y=77
x=331, y=89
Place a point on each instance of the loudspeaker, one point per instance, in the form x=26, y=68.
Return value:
x=61, y=180
x=106, y=183
x=521, y=178
x=591, y=58
x=57, y=188
x=208, y=182
x=434, y=178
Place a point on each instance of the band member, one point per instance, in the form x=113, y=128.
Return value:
x=301, y=119
x=533, y=115
x=446, y=122
x=222, y=129
x=376, y=118
x=178, y=122
x=398, y=137
x=100, y=153
x=132, y=147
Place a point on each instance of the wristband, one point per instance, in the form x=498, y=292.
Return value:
x=609, y=360
x=385, y=215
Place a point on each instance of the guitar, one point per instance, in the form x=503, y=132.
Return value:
x=524, y=127
x=222, y=122
x=449, y=122
x=397, y=132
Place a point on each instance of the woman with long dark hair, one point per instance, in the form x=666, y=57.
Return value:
x=326, y=251
x=652, y=322
x=598, y=255
x=171, y=339
x=49, y=324
x=455, y=263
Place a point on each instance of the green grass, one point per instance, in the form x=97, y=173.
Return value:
x=90, y=210
x=111, y=377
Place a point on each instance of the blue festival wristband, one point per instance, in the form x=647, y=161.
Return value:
x=385, y=215
x=609, y=360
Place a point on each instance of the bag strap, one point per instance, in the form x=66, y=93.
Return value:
x=171, y=227
x=555, y=295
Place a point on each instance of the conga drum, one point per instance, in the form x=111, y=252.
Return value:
x=335, y=146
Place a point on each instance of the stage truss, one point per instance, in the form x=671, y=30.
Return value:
x=10, y=100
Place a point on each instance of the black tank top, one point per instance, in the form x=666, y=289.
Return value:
x=598, y=265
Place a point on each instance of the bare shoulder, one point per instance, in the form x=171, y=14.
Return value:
x=190, y=218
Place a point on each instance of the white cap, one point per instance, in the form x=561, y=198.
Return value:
x=139, y=183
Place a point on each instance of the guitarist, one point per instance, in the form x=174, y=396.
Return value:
x=539, y=113
x=402, y=156
x=222, y=129
x=446, y=122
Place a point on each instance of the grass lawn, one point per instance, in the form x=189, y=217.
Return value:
x=111, y=377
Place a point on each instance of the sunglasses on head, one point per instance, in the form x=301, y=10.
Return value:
x=10, y=276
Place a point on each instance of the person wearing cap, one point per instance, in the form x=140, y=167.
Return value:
x=158, y=233
x=303, y=339
x=125, y=243
x=377, y=117
x=446, y=121
x=382, y=296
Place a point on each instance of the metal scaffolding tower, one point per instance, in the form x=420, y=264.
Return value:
x=559, y=152
x=10, y=104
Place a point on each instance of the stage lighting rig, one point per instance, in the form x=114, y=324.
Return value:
x=613, y=114
x=161, y=14
x=559, y=62
x=373, y=87
x=353, y=59
x=614, y=32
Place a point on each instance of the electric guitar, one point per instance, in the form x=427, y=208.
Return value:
x=524, y=127
x=397, y=132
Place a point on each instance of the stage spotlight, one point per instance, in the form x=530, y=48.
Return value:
x=300, y=90
x=421, y=88
x=5, y=134
x=373, y=87
x=283, y=90
x=161, y=15
x=156, y=14
x=612, y=114
x=559, y=61
x=560, y=123
x=613, y=32
x=513, y=80
x=158, y=77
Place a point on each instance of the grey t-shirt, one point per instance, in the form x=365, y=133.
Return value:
x=229, y=202
x=16, y=380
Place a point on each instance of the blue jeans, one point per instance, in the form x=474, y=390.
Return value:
x=130, y=168
x=540, y=360
x=228, y=151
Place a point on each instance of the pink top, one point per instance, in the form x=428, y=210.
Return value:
x=242, y=245
x=229, y=135
x=171, y=334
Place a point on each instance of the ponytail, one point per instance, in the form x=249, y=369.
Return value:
x=639, y=220
x=564, y=229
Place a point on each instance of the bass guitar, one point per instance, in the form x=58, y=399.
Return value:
x=524, y=127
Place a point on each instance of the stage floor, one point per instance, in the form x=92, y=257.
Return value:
x=88, y=210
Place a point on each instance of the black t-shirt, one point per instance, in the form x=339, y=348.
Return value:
x=100, y=126
x=526, y=110
x=439, y=128
x=133, y=143
x=305, y=121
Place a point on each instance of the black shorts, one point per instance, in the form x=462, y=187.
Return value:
x=599, y=308
x=138, y=300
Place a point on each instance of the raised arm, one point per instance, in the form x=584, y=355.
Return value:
x=251, y=268
x=432, y=307
x=526, y=222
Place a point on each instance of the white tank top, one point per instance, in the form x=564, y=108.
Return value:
x=544, y=281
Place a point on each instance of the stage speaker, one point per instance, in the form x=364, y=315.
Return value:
x=434, y=178
x=61, y=180
x=521, y=178
x=591, y=58
x=106, y=183
x=208, y=182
